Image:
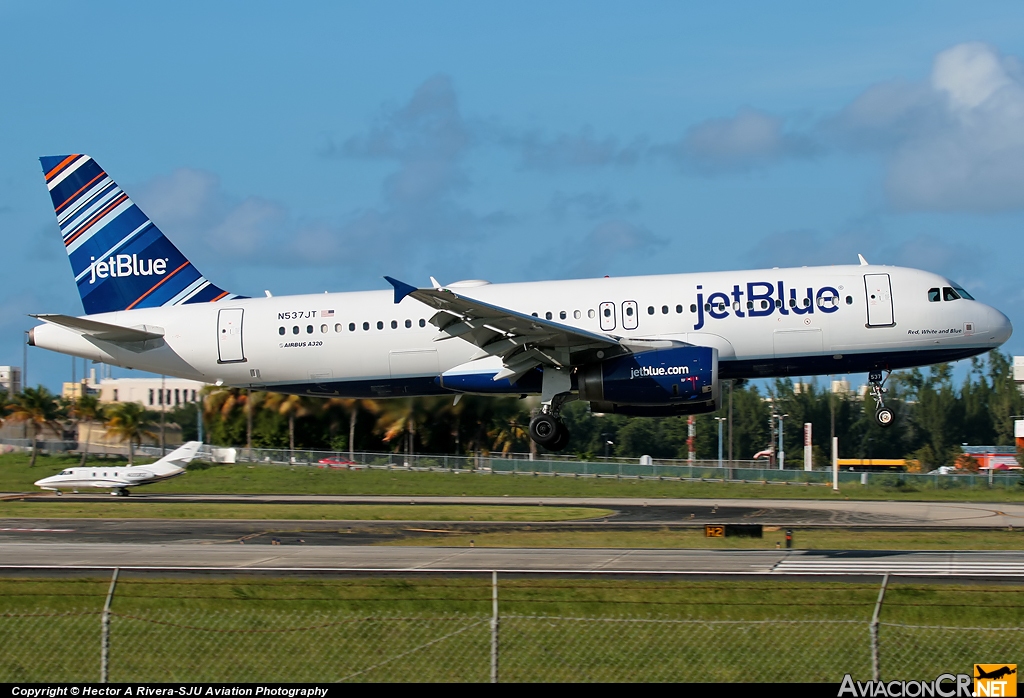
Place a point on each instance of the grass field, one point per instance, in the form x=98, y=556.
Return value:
x=322, y=512
x=16, y=476
x=432, y=628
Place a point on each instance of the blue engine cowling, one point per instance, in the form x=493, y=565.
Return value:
x=683, y=378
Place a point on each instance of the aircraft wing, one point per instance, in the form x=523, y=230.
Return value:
x=522, y=341
x=102, y=330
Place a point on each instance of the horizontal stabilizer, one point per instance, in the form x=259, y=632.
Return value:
x=102, y=330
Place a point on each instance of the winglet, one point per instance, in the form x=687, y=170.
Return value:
x=863, y=262
x=402, y=289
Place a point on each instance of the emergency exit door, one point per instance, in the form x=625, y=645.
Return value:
x=878, y=294
x=229, y=336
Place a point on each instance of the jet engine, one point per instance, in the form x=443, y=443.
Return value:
x=660, y=382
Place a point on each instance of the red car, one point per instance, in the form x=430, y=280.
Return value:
x=339, y=463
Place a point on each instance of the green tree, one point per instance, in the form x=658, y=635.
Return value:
x=131, y=422
x=39, y=408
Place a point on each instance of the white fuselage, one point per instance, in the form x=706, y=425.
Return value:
x=823, y=320
x=108, y=477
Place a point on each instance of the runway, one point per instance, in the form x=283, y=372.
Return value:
x=771, y=512
x=291, y=558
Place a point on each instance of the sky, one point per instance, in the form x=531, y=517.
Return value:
x=309, y=147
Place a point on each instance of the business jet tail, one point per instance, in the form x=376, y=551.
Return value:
x=119, y=257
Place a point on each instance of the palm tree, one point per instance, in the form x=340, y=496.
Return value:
x=290, y=406
x=87, y=409
x=130, y=421
x=38, y=407
x=352, y=406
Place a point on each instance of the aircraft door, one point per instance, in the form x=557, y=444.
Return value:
x=879, y=300
x=229, y=336
x=630, y=316
x=607, y=312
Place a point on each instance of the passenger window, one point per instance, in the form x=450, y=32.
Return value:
x=280, y=330
x=309, y=329
x=590, y=313
x=664, y=310
x=394, y=324
x=380, y=325
x=693, y=307
x=561, y=315
x=807, y=302
x=295, y=329
x=535, y=314
x=547, y=315
x=849, y=300
x=351, y=327
x=423, y=323
x=764, y=305
x=735, y=305
x=707, y=307
x=750, y=305
x=949, y=294
x=629, y=310
x=721, y=307
x=778, y=304
x=338, y=327
x=679, y=309
x=650, y=310
x=408, y=324
x=366, y=326
x=933, y=295
x=792, y=302
x=323, y=329
x=577, y=314
x=607, y=312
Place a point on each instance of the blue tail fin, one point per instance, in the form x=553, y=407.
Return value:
x=121, y=260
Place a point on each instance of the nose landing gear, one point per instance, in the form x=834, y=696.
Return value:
x=883, y=415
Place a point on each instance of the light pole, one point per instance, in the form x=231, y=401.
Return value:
x=720, y=420
x=782, y=451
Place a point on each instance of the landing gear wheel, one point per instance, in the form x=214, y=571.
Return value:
x=563, y=438
x=884, y=417
x=544, y=430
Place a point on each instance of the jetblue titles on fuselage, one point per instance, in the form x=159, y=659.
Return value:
x=761, y=299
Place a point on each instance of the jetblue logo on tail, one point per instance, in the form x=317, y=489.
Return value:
x=123, y=265
x=120, y=259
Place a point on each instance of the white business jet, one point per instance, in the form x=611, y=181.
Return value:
x=119, y=478
x=645, y=345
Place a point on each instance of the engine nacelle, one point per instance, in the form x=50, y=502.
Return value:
x=682, y=378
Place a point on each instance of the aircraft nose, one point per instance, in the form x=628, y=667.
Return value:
x=999, y=327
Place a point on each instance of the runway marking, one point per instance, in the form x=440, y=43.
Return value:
x=39, y=530
x=928, y=568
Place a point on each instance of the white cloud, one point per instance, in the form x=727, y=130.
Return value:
x=749, y=139
x=955, y=142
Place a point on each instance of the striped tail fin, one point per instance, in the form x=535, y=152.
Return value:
x=119, y=257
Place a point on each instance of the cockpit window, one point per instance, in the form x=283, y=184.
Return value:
x=963, y=293
x=933, y=295
x=949, y=294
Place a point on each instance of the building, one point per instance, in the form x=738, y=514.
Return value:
x=994, y=457
x=10, y=379
x=154, y=393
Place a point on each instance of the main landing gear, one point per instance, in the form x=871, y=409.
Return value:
x=546, y=428
x=549, y=431
x=883, y=415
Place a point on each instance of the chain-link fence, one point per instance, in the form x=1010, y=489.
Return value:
x=468, y=629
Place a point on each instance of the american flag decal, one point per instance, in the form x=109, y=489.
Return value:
x=326, y=313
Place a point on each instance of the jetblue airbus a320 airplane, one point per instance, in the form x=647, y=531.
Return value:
x=644, y=345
